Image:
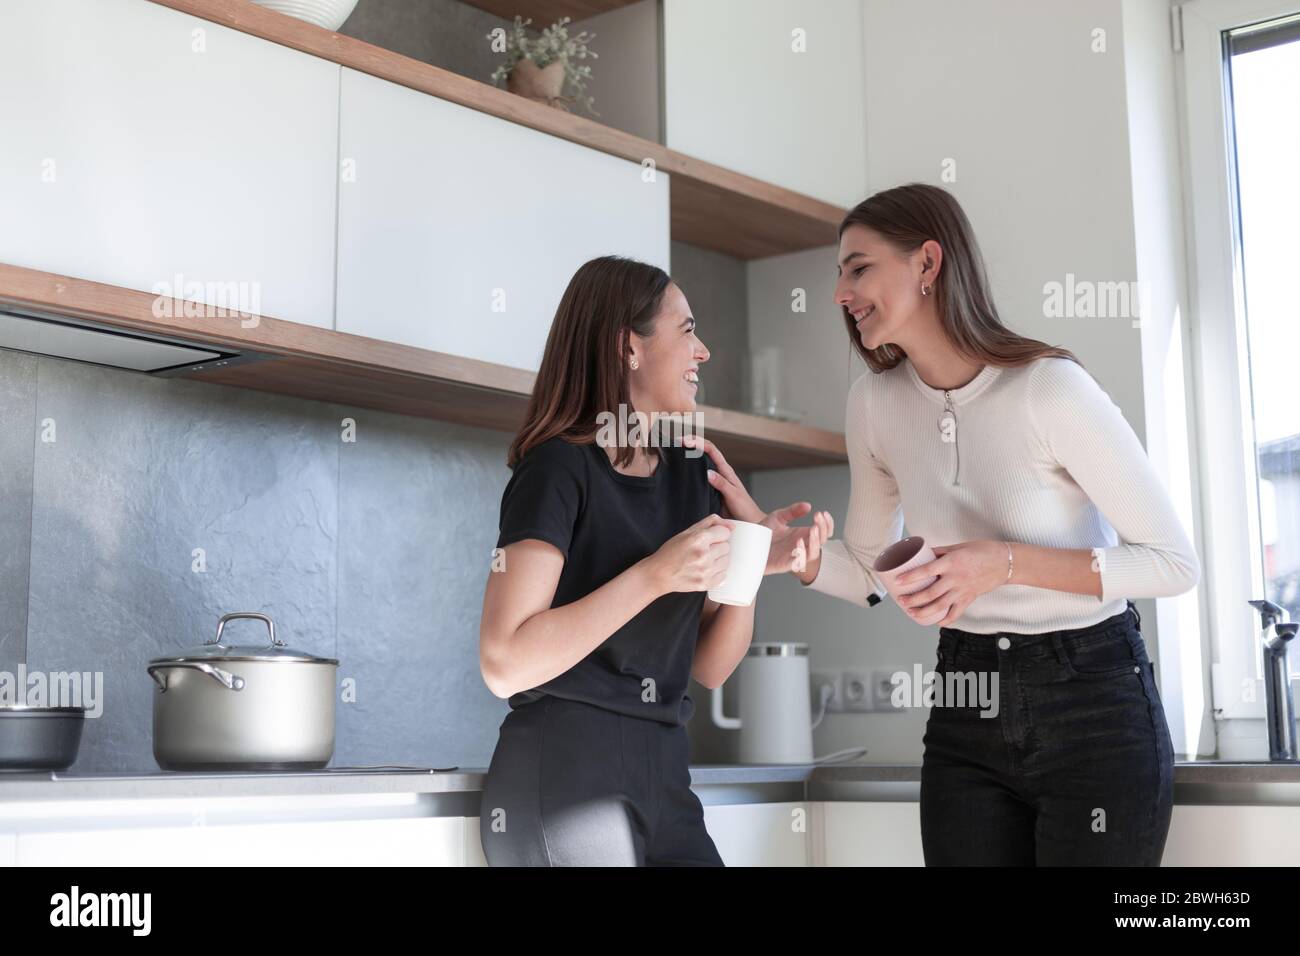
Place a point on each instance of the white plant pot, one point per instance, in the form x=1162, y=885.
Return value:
x=329, y=14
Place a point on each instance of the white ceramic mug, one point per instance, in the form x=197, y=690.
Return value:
x=910, y=552
x=750, y=544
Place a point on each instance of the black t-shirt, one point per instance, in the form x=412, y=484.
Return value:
x=604, y=522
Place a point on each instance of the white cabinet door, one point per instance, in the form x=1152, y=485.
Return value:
x=770, y=88
x=458, y=231
x=750, y=834
x=412, y=841
x=870, y=834
x=760, y=834
x=1233, y=836
x=149, y=149
x=474, y=855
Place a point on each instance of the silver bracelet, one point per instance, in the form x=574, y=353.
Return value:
x=1009, y=564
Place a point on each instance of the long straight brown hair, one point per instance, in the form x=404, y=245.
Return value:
x=584, y=371
x=907, y=216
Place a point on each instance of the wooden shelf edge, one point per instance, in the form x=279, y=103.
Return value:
x=136, y=311
x=326, y=365
x=761, y=218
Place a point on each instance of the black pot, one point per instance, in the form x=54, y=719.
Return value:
x=39, y=738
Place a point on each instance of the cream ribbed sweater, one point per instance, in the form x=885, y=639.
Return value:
x=1039, y=454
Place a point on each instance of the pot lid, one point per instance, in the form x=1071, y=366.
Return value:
x=274, y=650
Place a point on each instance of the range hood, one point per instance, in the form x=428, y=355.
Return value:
x=81, y=340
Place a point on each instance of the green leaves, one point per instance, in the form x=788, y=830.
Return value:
x=552, y=44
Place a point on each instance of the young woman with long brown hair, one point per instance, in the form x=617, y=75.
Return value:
x=595, y=618
x=1046, y=517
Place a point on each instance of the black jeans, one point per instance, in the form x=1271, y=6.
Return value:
x=1076, y=766
x=573, y=784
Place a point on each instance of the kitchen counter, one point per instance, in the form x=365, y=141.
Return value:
x=454, y=791
x=804, y=815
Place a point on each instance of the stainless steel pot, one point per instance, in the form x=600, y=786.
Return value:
x=220, y=707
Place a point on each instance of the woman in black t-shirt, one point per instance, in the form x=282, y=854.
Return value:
x=595, y=617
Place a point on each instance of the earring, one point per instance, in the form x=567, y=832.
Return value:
x=925, y=289
x=635, y=363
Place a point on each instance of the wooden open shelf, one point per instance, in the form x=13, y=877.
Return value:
x=290, y=358
x=545, y=12
x=711, y=206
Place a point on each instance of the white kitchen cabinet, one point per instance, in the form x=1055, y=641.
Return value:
x=867, y=833
x=142, y=145
x=211, y=833
x=751, y=834
x=1233, y=836
x=473, y=843
x=889, y=834
x=459, y=231
x=380, y=830
x=770, y=88
x=761, y=834
x=427, y=841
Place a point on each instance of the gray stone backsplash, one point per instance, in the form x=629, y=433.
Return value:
x=135, y=511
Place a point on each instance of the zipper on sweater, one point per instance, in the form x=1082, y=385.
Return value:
x=947, y=423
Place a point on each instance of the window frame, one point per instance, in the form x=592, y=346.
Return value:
x=1227, y=466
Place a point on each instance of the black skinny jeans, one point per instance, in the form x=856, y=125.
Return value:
x=1076, y=767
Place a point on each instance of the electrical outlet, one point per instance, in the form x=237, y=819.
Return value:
x=833, y=679
x=858, y=695
x=882, y=688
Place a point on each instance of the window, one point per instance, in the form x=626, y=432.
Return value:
x=1240, y=79
x=1263, y=77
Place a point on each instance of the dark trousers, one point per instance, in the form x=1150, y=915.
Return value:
x=573, y=784
x=1076, y=767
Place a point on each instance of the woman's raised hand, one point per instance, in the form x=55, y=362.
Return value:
x=803, y=545
x=788, y=551
x=793, y=549
x=735, y=498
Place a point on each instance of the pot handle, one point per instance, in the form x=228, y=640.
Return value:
x=226, y=678
x=221, y=625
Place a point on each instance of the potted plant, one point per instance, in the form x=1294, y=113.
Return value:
x=543, y=67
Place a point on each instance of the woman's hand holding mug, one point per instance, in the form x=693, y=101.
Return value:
x=793, y=549
x=694, y=559
x=965, y=571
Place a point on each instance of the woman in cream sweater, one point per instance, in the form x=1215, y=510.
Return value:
x=1046, y=518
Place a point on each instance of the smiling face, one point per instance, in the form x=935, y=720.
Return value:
x=668, y=362
x=880, y=286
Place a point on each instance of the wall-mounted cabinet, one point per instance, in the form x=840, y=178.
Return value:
x=404, y=234
x=458, y=231
x=710, y=205
x=142, y=145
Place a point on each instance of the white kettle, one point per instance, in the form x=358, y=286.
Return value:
x=775, y=721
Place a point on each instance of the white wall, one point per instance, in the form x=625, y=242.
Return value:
x=737, y=94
